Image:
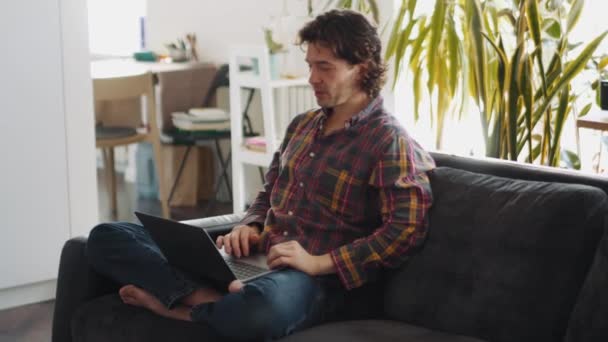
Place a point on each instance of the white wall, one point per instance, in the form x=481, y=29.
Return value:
x=217, y=24
x=47, y=175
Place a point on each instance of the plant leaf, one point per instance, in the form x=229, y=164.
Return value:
x=603, y=63
x=373, y=8
x=585, y=110
x=395, y=32
x=570, y=159
x=478, y=59
x=412, y=7
x=534, y=25
x=574, y=14
x=560, y=119
x=417, y=46
x=571, y=70
x=553, y=28
x=417, y=90
x=437, y=24
x=453, y=52
x=400, y=50
x=507, y=13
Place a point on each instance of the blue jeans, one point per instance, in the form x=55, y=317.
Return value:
x=269, y=307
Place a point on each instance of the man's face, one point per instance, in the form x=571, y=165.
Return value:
x=334, y=80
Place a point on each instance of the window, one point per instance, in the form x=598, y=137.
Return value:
x=115, y=27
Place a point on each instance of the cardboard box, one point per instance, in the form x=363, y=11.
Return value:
x=196, y=181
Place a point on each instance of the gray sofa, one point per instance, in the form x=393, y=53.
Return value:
x=515, y=253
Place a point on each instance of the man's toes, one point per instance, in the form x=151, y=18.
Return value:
x=127, y=289
x=235, y=286
x=129, y=294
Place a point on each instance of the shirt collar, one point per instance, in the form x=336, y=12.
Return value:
x=372, y=107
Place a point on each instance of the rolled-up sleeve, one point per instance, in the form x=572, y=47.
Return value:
x=405, y=195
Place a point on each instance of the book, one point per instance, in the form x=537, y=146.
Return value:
x=257, y=143
x=187, y=125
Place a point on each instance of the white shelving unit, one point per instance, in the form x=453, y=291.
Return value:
x=274, y=93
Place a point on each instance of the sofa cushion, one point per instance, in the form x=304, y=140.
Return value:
x=589, y=321
x=504, y=259
x=372, y=331
x=108, y=319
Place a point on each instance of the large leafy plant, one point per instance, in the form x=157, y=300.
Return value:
x=363, y=6
x=513, y=58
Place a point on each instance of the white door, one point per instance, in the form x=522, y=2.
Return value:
x=34, y=203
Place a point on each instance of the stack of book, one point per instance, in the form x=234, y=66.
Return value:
x=201, y=119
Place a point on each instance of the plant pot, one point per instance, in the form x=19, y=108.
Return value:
x=275, y=66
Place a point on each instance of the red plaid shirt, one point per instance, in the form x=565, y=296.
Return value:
x=360, y=193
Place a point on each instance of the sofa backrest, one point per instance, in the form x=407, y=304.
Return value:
x=589, y=321
x=509, y=169
x=505, y=259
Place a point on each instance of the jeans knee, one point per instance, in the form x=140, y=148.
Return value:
x=259, y=319
x=101, y=238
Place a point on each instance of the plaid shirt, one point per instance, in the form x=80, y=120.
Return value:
x=360, y=193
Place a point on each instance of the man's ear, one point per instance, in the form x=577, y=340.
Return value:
x=362, y=71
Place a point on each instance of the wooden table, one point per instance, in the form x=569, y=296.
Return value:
x=597, y=120
x=106, y=68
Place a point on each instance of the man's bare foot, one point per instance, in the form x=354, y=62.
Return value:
x=133, y=295
x=201, y=295
x=235, y=286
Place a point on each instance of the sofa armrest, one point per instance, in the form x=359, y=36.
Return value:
x=77, y=283
x=217, y=225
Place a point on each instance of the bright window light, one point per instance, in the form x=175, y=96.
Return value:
x=115, y=26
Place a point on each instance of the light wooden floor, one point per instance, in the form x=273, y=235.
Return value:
x=32, y=323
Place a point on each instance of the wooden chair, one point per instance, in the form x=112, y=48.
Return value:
x=108, y=137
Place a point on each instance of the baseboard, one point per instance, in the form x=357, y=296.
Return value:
x=27, y=294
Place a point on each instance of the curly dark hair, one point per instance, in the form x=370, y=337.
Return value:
x=353, y=38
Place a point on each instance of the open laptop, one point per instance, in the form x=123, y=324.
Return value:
x=191, y=250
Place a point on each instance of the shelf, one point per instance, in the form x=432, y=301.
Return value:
x=253, y=81
x=241, y=78
x=247, y=156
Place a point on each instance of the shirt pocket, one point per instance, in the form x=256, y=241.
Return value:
x=339, y=191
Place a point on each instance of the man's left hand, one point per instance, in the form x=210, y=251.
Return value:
x=292, y=254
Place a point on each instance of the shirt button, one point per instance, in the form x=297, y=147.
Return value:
x=312, y=154
x=285, y=233
x=290, y=213
x=301, y=185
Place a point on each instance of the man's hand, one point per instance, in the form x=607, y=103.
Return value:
x=292, y=254
x=239, y=240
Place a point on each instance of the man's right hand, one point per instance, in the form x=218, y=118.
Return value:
x=239, y=240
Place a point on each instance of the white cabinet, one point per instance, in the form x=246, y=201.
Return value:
x=281, y=100
x=47, y=172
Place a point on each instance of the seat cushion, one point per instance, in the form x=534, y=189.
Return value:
x=372, y=331
x=103, y=133
x=504, y=259
x=589, y=321
x=107, y=319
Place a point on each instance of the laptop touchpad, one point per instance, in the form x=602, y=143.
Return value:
x=258, y=259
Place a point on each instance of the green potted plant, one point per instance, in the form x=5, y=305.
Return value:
x=513, y=58
x=275, y=49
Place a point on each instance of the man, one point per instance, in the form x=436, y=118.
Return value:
x=346, y=195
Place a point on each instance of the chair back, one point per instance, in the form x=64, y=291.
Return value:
x=221, y=79
x=118, y=100
x=116, y=88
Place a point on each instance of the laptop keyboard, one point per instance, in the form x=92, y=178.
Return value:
x=242, y=270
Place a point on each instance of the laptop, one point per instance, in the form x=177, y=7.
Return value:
x=191, y=250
